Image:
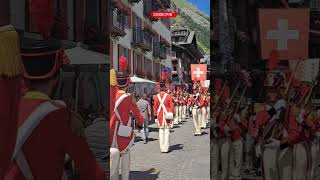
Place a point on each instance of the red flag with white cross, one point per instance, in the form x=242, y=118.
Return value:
x=199, y=72
x=286, y=31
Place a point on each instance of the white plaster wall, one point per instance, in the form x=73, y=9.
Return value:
x=127, y=39
x=138, y=9
x=162, y=30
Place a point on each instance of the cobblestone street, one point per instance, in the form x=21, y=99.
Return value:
x=188, y=157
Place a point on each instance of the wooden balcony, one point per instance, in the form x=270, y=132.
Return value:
x=117, y=28
x=159, y=50
x=142, y=39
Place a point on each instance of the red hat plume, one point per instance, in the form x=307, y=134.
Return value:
x=273, y=60
x=164, y=75
x=123, y=64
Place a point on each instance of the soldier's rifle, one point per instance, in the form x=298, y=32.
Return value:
x=284, y=114
x=219, y=97
x=222, y=116
x=314, y=83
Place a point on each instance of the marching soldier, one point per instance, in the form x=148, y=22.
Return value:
x=44, y=131
x=163, y=112
x=176, y=108
x=10, y=80
x=180, y=103
x=203, y=110
x=189, y=103
x=121, y=124
x=315, y=146
x=184, y=105
x=305, y=119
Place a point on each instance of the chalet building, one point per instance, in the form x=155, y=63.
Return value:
x=184, y=53
x=144, y=41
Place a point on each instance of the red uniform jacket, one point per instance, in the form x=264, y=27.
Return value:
x=183, y=101
x=190, y=100
x=290, y=124
x=162, y=122
x=201, y=102
x=235, y=130
x=9, y=98
x=128, y=105
x=45, y=149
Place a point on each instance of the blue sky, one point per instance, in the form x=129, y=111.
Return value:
x=203, y=5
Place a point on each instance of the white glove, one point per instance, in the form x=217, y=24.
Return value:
x=155, y=120
x=237, y=118
x=300, y=118
x=274, y=144
x=280, y=104
x=268, y=107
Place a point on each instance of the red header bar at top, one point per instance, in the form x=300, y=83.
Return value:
x=163, y=14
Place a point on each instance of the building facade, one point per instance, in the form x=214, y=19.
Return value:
x=75, y=22
x=144, y=41
x=184, y=53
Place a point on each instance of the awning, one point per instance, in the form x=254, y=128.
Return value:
x=81, y=56
x=136, y=79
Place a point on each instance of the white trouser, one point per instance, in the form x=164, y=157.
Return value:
x=187, y=111
x=184, y=113
x=195, y=116
x=285, y=163
x=224, y=159
x=204, y=117
x=315, y=150
x=164, y=139
x=176, y=115
x=236, y=152
x=269, y=158
x=214, y=163
x=114, y=160
x=300, y=162
x=208, y=113
x=125, y=166
x=180, y=114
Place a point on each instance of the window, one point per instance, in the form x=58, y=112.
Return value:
x=137, y=22
x=156, y=70
x=137, y=63
x=147, y=66
x=121, y=17
x=124, y=52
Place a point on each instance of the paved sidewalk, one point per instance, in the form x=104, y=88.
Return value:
x=188, y=157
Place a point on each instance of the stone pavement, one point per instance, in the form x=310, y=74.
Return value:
x=188, y=157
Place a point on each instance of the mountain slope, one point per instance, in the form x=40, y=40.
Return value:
x=194, y=19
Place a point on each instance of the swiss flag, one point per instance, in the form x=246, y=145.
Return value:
x=286, y=31
x=198, y=72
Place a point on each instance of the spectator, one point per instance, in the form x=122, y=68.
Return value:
x=96, y=135
x=145, y=109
